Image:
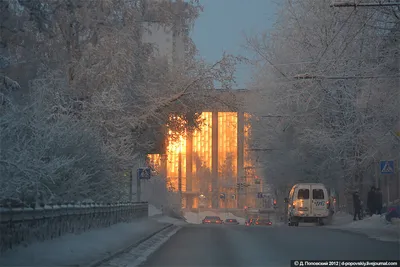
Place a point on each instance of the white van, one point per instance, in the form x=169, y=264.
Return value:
x=308, y=202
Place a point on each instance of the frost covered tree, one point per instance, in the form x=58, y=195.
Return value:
x=335, y=126
x=82, y=95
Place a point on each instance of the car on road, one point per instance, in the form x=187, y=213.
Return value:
x=250, y=222
x=231, y=222
x=308, y=202
x=263, y=222
x=212, y=220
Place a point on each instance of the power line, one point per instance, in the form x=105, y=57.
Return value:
x=308, y=77
x=354, y=4
x=324, y=61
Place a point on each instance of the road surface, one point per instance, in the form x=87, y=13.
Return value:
x=223, y=245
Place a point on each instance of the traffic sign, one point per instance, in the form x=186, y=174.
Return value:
x=260, y=195
x=222, y=196
x=233, y=196
x=144, y=173
x=387, y=166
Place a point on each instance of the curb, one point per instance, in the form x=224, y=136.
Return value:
x=96, y=263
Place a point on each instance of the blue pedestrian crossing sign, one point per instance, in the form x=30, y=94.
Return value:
x=144, y=173
x=387, y=166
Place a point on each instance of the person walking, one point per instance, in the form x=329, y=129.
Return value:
x=371, y=201
x=357, y=206
x=378, y=201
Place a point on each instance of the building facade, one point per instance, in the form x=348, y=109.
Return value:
x=213, y=166
x=171, y=41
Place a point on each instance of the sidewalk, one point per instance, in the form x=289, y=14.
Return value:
x=80, y=250
x=375, y=227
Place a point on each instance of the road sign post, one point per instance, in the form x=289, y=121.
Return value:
x=387, y=167
x=141, y=174
x=144, y=173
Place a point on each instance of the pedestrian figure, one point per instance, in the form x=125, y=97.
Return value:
x=378, y=201
x=371, y=201
x=357, y=206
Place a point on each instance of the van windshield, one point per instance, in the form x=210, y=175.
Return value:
x=303, y=194
x=318, y=194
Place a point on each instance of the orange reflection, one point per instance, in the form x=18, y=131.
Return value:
x=202, y=154
x=155, y=161
x=227, y=156
x=176, y=164
x=202, y=160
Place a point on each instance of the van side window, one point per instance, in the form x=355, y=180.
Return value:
x=318, y=194
x=303, y=194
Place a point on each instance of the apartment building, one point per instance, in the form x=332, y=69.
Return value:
x=168, y=41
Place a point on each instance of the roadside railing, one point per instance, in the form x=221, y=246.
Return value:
x=21, y=226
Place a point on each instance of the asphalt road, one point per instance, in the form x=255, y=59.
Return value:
x=222, y=245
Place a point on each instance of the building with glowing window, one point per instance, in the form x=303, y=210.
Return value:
x=213, y=162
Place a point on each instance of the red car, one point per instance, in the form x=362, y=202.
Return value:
x=263, y=222
x=231, y=222
x=212, y=220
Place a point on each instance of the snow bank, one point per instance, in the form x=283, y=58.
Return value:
x=341, y=218
x=373, y=222
x=153, y=211
x=375, y=227
x=196, y=218
x=73, y=250
x=166, y=219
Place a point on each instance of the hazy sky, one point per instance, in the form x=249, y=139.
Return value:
x=222, y=25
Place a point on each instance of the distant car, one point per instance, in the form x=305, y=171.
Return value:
x=212, y=220
x=231, y=222
x=249, y=222
x=263, y=222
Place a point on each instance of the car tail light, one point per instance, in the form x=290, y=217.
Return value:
x=207, y=221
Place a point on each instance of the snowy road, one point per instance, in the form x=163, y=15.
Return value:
x=203, y=245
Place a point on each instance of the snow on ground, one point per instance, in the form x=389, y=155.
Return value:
x=196, y=218
x=73, y=250
x=153, y=211
x=167, y=219
x=340, y=218
x=375, y=227
x=137, y=255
